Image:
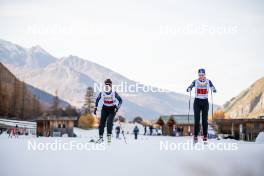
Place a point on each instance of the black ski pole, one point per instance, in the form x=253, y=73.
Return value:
x=189, y=129
x=189, y=106
x=212, y=104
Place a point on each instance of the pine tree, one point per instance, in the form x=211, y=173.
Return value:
x=15, y=100
x=23, y=92
x=1, y=97
x=36, y=108
x=55, y=106
x=28, y=106
x=89, y=100
x=18, y=98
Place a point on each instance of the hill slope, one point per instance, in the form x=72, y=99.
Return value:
x=249, y=103
x=20, y=100
x=45, y=98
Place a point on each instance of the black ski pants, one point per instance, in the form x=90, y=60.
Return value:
x=136, y=135
x=200, y=105
x=107, y=116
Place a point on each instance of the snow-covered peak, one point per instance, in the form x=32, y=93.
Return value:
x=71, y=60
x=9, y=46
x=12, y=54
x=77, y=63
x=37, y=57
x=37, y=49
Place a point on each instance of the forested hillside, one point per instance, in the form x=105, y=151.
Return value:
x=16, y=101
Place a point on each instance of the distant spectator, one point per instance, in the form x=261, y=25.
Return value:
x=151, y=130
x=136, y=131
x=145, y=129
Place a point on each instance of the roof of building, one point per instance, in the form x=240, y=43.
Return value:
x=179, y=118
x=56, y=118
x=19, y=123
x=227, y=121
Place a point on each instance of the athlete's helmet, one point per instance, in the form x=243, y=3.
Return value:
x=201, y=71
x=108, y=82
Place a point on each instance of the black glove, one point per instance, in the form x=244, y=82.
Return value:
x=116, y=109
x=189, y=89
x=214, y=90
x=95, y=109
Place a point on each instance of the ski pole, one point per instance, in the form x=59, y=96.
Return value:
x=189, y=106
x=121, y=129
x=212, y=104
x=189, y=129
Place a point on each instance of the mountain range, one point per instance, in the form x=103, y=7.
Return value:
x=71, y=75
x=248, y=104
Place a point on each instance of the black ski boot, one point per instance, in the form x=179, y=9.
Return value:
x=205, y=140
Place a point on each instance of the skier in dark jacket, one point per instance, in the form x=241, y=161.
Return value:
x=201, y=104
x=109, y=109
x=136, y=131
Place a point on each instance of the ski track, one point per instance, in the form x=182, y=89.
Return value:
x=141, y=157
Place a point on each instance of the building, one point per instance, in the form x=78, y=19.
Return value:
x=55, y=126
x=261, y=117
x=240, y=129
x=172, y=125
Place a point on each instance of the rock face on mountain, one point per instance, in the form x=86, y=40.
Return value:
x=71, y=75
x=248, y=104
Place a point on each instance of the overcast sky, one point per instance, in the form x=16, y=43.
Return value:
x=156, y=42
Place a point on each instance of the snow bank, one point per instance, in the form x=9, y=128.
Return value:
x=260, y=138
x=138, y=157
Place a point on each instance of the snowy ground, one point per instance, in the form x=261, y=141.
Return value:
x=141, y=157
